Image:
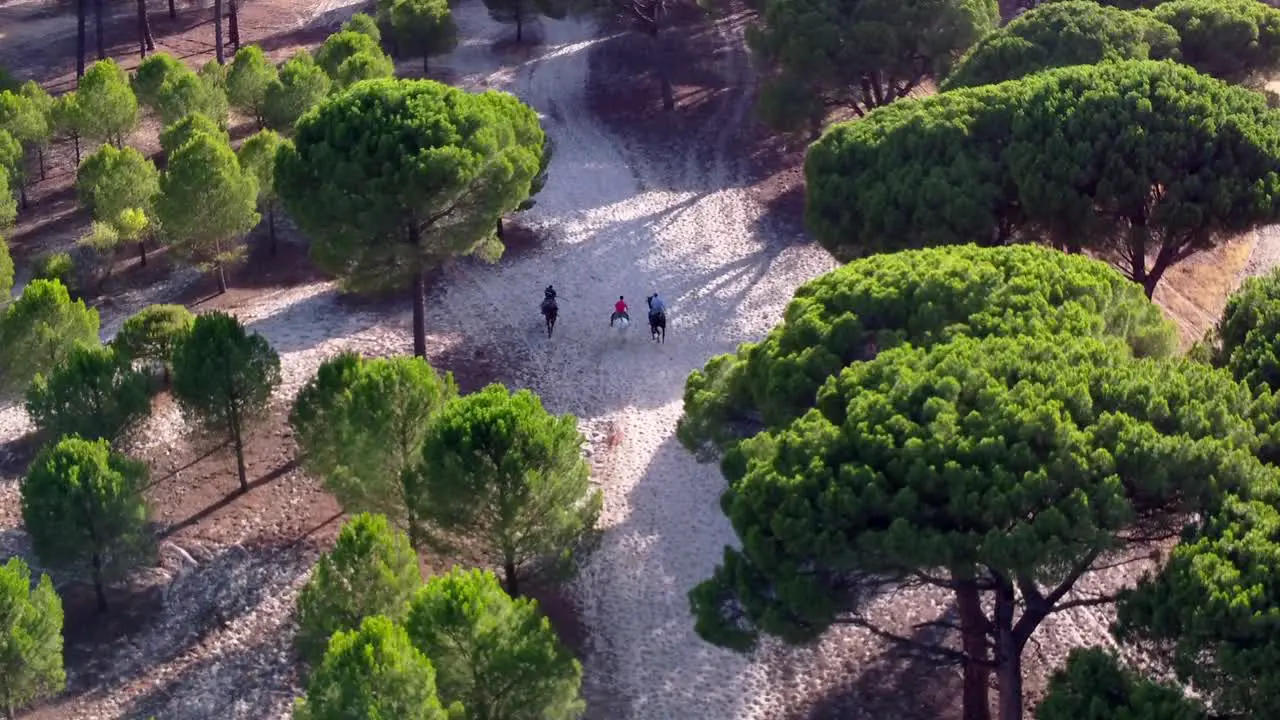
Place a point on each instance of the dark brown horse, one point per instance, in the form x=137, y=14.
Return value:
x=549, y=312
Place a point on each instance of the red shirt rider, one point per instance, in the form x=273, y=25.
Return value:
x=620, y=306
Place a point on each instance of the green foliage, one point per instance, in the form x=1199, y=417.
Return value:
x=6, y=274
x=372, y=570
x=223, y=378
x=152, y=333
x=82, y=504
x=8, y=81
x=504, y=478
x=151, y=75
x=1234, y=40
x=186, y=93
x=392, y=176
x=11, y=159
x=40, y=329
x=360, y=425
x=115, y=184
x=1211, y=612
x=8, y=204
x=1248, y=332
x=57, y=266
x=1005, y=462
x=497, y=657
x=179, y=133
x=93, y=393
x=302, y=84
x=373, y=673
x=365, y=25
x=25, y=117
x=207, y=202
x=1041, y=159
x=363, y=66
x=520, y=12
x=342, y=45
x=30, y=638
x=859, y=54
x=1058, y=34
x=919, y=297
x=1094, y=686
x=257, y=156
x=247, y=81
x=107, y=109
x=424, y=27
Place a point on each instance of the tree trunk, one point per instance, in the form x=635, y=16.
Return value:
x=102, y=37
x=498, y=230
x=239, y=443
x=142, y=253
x=146, y=41
x=222, y=279
x=22, y=193
x=425, y=69
x=519, y=26
x=82, y=14
x=1008, y=651
x=1010, y=681
x=976, y=700
x=661, y=66
x=97, y=583
x=271, y=228
x=233, y=26
x=511, y=581
x=76, y=137
x=420, y=313
x=173, y=11
x=40, y=157
x=217, y=32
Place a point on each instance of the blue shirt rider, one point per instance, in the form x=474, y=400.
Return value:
x=656, y=306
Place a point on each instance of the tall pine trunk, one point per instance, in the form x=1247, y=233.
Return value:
x=419, y=295
x=973, y=622
x=420, y=313
x=102, y=36
x=425, y=69
x=239, y=444
x=82, y=16
x=511, y=581
x=519, y=25
x=145, y=40
x=173, y=11
x=217, y=32
x=271, y=228
x=98, y=584
x=233, y=26
x=222, y=278
x=142, y=253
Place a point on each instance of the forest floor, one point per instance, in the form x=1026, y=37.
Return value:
x=700, y=204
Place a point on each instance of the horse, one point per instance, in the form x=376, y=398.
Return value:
x=549, y=312
x=658, y=326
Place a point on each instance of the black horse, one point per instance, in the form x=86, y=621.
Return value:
x=658, y=326
x=549, y=312
x=657, y=322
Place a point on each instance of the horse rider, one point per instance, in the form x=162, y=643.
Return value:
x=619, y=311
x=657, y=308
x=549, y=297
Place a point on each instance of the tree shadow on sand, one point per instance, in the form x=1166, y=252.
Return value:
x=896, y=684
x=155, y=620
